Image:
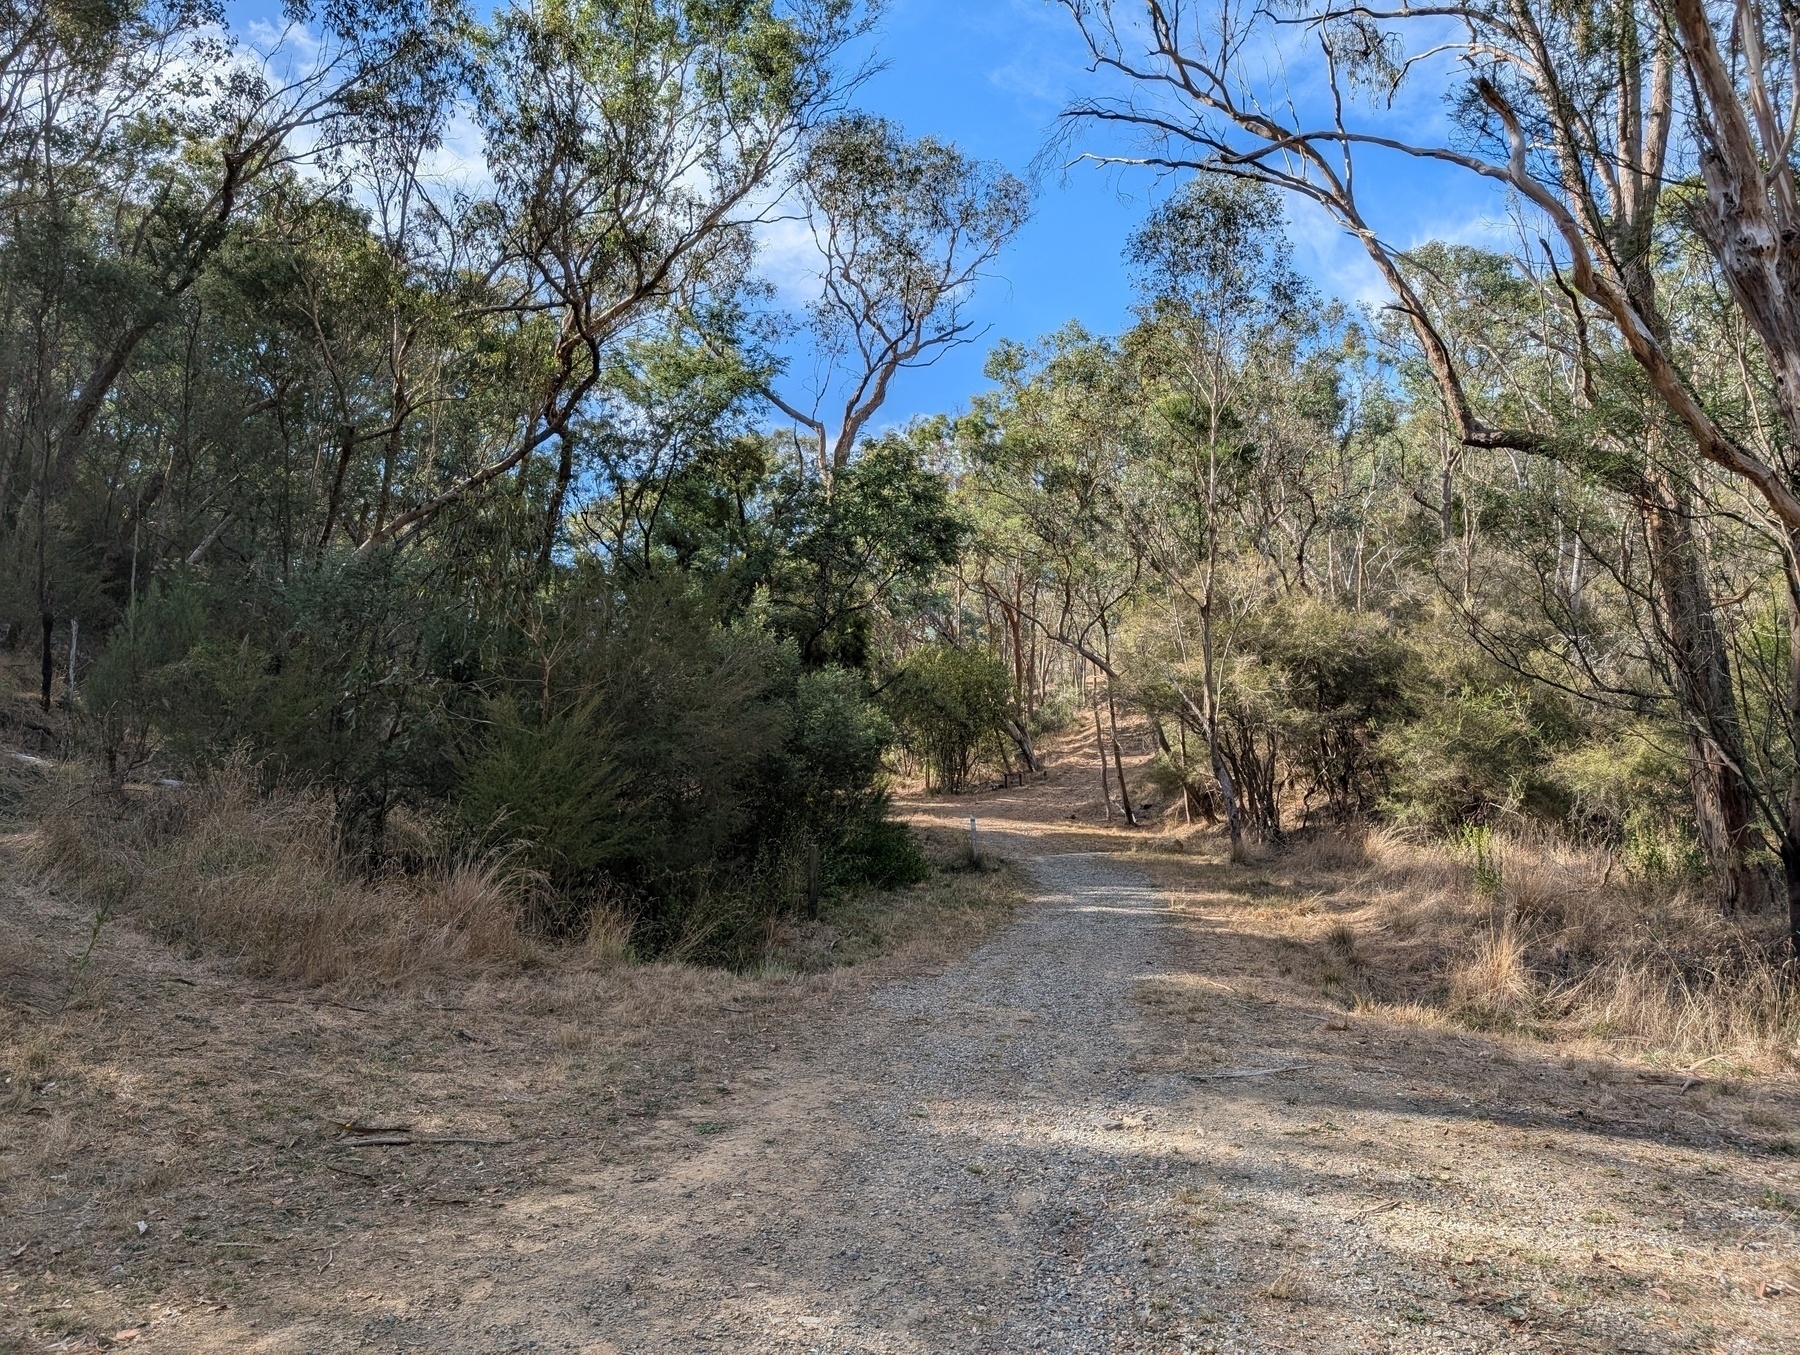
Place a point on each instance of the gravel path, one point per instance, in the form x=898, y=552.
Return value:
x=1130, y=1122
x=956, y=1173
x=1051, y=1148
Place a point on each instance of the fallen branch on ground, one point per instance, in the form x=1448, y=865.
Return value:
x=408, y=1140
x=1249, y=1072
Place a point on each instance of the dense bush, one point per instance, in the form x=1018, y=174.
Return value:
x=951, y=707
x=1479, y=745
x=632, y=749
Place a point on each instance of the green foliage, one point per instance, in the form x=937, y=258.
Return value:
x=545, y=785
x=1332, y=680
x=688, y=764
x=1478, y=749
x=1630, y=789
x=1473, y=844
x=141, y=681
x=834, y=751
x=883, y=854
x=950, y=705
x=1655, y=848
x=878, y=536
x=1635, y=770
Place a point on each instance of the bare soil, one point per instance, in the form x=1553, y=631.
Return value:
x=1125, y=1117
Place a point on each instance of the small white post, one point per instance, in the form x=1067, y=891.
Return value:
x=974, y=843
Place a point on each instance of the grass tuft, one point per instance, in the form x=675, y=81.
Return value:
x=224, y=868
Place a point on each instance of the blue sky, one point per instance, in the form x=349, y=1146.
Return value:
x=991, y=75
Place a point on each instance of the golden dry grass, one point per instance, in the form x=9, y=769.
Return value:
x=223, y=868
x=226, y=869
x=1535, y=934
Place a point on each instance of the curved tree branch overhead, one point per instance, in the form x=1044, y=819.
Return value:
x=904, y=230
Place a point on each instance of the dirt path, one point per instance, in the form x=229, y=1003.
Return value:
x=1071, y=1143
x=952, y=1172
x=1124, y=1123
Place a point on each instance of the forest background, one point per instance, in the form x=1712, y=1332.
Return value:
x=512, y=516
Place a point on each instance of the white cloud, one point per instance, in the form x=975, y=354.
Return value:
x=286, y=51
x=788, y=259
x=1044, y=67
x=459, y=162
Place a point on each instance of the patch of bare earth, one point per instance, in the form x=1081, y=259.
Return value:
x=1141, y=1116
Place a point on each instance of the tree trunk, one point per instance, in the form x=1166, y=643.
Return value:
x=1020, y=733
x=1234, y=822
x=553, y=512
x=49, y=674
x=1790, y=837
x=1112, y=716
x=1099, y=743
x=334, y=497
x=1700, y=670
x=1124, y=790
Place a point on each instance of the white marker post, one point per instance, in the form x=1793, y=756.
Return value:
x=974, y=843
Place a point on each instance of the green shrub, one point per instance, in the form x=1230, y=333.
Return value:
x=883, y=854
x=548, y=788
x=1479, y=746
x=1621, y=783
x=836, y=741
x=1656, y=847
x=141, y=682
x=1337, y=677
x=951, y=706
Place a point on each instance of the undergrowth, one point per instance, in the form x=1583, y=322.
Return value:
x=226, y=867
x=223, y=868
x=1540, y=936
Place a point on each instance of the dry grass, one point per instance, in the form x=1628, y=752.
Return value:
x=1540, y=936
x=223, y=868
x=152, y=1099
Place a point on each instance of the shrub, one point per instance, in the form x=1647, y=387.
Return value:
x=1338, y=677
x=1479, y=746
x=680, y=770
x=835, y=745
x=138, y=686
x=549, y=788
x=884, y=854
x=951, y=706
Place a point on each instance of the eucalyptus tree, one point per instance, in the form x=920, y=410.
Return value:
x=632, y=145
x=1046, y=453
x=1243, y=418
x=133, y=140
x=1584, y=112
x=904, y=230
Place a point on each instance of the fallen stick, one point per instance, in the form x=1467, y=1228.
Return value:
x=409, y=1140
x=1249, y=1072
x=1713, y=1058
x=303, y=1001
x=1376, y=1209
